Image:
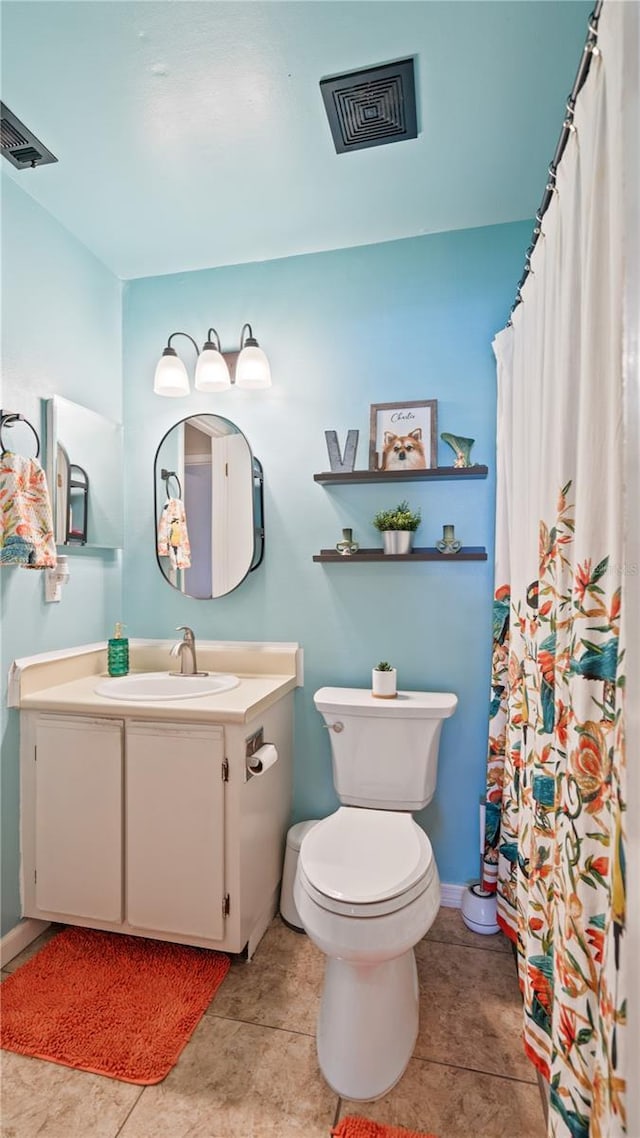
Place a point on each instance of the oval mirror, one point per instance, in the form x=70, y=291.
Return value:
x=208, y=507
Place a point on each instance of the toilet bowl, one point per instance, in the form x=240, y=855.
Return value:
x=366, y=887
x=367, y=891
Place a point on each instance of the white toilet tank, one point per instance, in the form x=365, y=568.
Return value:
x=384, y=751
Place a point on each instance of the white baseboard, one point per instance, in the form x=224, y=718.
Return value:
x=451, y=895
x=20, y=938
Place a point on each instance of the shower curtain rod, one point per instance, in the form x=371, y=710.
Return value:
x=590, y=49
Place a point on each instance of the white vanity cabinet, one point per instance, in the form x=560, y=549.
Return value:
x=154, y=826
x=77, y=784
x=175, y=828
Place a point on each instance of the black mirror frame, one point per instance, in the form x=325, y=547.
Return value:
x=257, y=501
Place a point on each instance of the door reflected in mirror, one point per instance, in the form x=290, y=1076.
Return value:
x=208, y=507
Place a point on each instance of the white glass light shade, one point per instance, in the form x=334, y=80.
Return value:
x=212, y=373
x=252, y=368
x=171, y=377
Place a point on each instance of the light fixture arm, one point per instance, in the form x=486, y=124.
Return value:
x=171, y=351
x=250, y=341
x=210, y=343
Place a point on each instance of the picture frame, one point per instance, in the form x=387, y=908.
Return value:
x=404, y=436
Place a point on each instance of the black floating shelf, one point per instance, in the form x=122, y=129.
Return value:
x=435, y=473
x=467, y=553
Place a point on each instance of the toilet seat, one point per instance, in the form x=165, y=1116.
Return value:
x=366, y=863
x=354, y=909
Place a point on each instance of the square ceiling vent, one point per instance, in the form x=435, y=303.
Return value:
x=371, y=107
x=20, y=145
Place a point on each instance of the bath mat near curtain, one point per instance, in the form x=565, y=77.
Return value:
x=556, y=769
x=353, y=1126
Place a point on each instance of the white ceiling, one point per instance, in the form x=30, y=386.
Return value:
x=192, y=133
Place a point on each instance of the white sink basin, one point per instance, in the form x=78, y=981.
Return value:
x=144, y=686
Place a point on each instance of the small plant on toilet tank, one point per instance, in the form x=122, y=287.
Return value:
x=383, y=681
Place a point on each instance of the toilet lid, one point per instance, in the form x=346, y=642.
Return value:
x=365, y=856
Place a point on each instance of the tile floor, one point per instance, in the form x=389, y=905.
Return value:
x=250, y=1071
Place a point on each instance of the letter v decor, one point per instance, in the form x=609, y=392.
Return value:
x=340, y=464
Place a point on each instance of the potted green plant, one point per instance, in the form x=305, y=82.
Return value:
x=383, y=681
x=397, y=527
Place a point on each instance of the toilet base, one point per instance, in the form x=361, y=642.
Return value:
x=368, y=1025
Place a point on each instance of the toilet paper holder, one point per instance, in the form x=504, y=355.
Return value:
x=259, y=756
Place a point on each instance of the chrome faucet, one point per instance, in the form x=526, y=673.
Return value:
x=186, y=650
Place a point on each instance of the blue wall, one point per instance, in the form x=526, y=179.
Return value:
x=406, y=320
x=61, y=334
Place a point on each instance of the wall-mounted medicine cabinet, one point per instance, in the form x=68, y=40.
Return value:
x=84, y=469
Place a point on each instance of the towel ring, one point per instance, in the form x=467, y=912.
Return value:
x=167, y=474
x=8, y=419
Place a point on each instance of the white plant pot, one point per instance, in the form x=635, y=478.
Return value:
x=383, y=684
x=397, y=540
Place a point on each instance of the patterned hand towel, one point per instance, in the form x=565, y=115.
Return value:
x=173, y=538
x=26, y=522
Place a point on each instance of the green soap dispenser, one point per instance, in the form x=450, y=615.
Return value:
x=118, y=653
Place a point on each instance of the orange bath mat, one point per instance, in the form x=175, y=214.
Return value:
x=115, y=1005
x=355, y=1127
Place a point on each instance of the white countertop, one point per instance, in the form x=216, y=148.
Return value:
x=65, y=680
x=251, y=698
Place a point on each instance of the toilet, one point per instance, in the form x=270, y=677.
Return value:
x=366, y=887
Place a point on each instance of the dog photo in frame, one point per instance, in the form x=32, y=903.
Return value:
x=403, y=436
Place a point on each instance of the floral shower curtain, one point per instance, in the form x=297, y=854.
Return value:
x=555, y=818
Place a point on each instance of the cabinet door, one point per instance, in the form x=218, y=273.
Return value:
x=78, y=841
x=175, y=828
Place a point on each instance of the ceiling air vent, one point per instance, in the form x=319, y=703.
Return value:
x=371, y=107
x=19, y=145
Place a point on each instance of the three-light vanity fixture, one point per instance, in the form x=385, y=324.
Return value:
x=213, y=368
